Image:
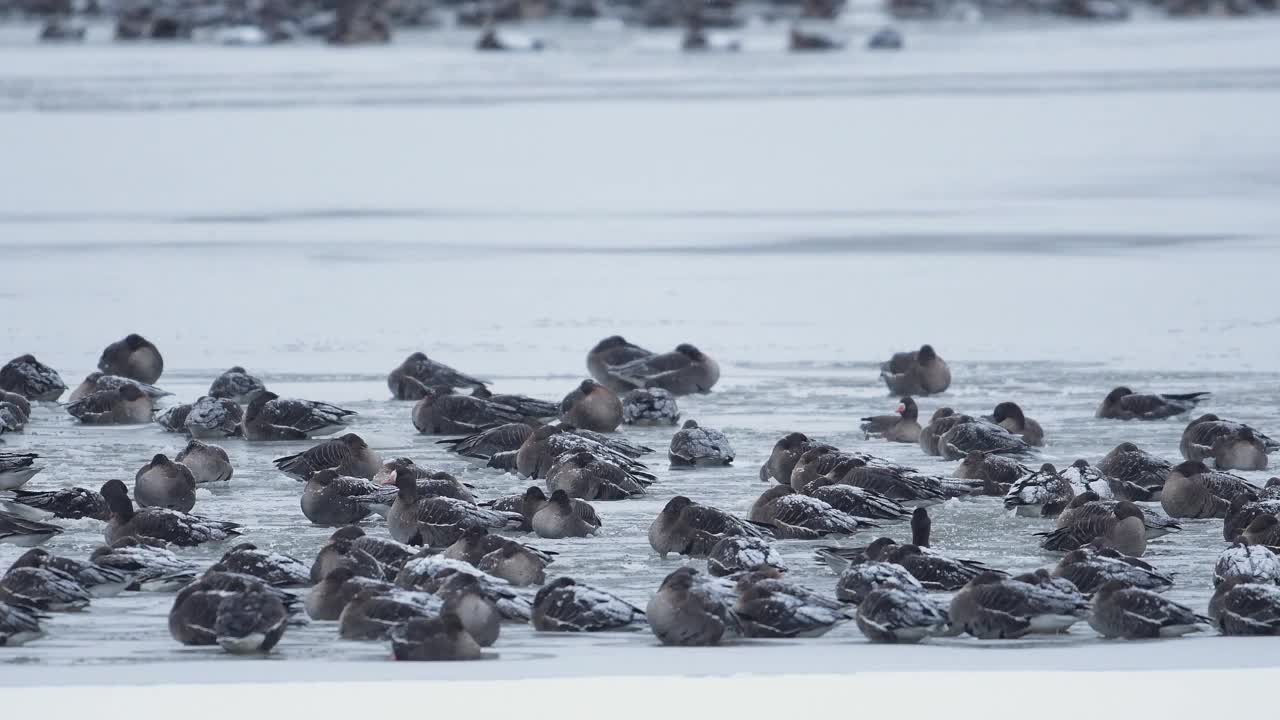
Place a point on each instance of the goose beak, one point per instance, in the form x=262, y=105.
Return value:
x=389, y=478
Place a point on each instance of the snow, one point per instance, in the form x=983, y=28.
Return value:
x=1058, y=211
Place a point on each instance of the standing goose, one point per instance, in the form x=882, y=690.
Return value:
x=270, y=417
x=163, y=483
x=687, y=528
x=348, y=455
x=98, y=580
x=1192, y=490
x=592, y=406
x=1241, y=607
x=211, y=417
x=685, y=371
x=437, y=521
x=19, y=625
x=584, y=475
x=98, y=382
x=24, y=532
x=563, y=605
x=1041, y=494
x=903, y=426
x=439, y=638
x=133, y=357
x=695, y=445
x=32, y=379
x=895, y=614
x=331, y=498
x=1124, y=404
x=43, y=588
x=418, y=374
x=1089, y=567
x=236, y=385
x=1121, y=527
x=560, y=518
x=71, y=503
x=207, y=463
x=692, y=609
x=613, y=351
x=126, y=406
x=649, y=406
x=921, y=372
x=440, y=411
x=998, y=474
x=1009, y=416
x=801, y=517
x=1129, y=463
x=16, y=469
x=992, y=607
x=1122, y=611
x=158, y=523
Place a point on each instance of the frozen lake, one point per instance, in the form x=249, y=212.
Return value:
x=1058, y=210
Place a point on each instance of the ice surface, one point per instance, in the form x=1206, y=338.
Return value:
x=1058, y=212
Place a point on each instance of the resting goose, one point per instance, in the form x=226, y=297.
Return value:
x=341, y=551
x=134, y=357
x=784, y=456
x=152, y=568
x=942, y=420
x=1009, y=416
x=1044, y=493
x=921, y=372
x=98, y=580
x=18, y=404
x=372, y=614
x=770, y=608
x=241, y=621
x=163, y=483
x=433, y=483
x=1124, y=404
x=1262, y=530
x=485, y=444
x=860, y=579
x=1090, y=566
x=98, y=382
x=687, y=528
x=127, y=405
x=272, y=568
x=795, y=516
x=1243, y=509
x=561, y=518
x=349, y=455
x=19, y=625
x=1241, y=607
x=584, y=475
x=43, y=588
x=236, y=385
x=986, y=437
x=214, y=418
x=564, y=605
x=1253, y=562
x=903, y=426
x=685, y=371
x=515, y=562
x=694, y=445
x=992, y=607
x=32, y=379
x=433, y=639
x=893, y=613
x=736, y=553
x=16, y=469
x=270, y=417
x=1121, y=526
x=1109, y=488
x=904, y=485
x=418, y=373
x=692, y=609
x=592, y=406
x=443, y=412
x=1129, y=463
x=1192, y=490
x=429, y=573
x=158, y=523
x=1122, y=611
x=534, y=499
x=174, y=418
x=649, y=406
x=856, y=501
x=330, y=498
x=328, y=597
x=25, y=532
x=464, y=596
x=437, y=521
x=1230, y=445
x=207, y=463
x=998, y=474
x=71, y=503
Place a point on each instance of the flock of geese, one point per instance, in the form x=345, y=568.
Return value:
x=415, y=559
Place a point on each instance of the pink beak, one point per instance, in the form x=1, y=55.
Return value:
x=901, y=409
x=390, y=479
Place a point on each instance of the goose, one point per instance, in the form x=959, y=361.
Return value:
x=584, y=475
x=373, y=613
x=99, y=382
x=32, y=379
x=484, y=444
x=433, y=639
x=895, y=614
x=903, y=426
x=1262, y=530
x=649, y=406
x=418, y=373
x=43, y=588
x=11, y=418
x=613, y=351
x=515, y=562
x=994, y=607
x=328, y=597
x=922, y=372
x=207, y=463
x=856, y=501
x=532, y=500
x=98, y=580
x=694, y=445
x=1124, y=404
x=1009, y=416
x=564, y=605
x=17, y=469
x=270, y=417
x=1109, y=488
x=428, y=573
x=440, y=411
x=942, y=420
x=246, y=621
x=330, y=498
x=71, y=503
x=801, y=41
x=987, y=437
x=692, y=609
x=532, y=410
x=770, y=608
x=214, y=418
x=19, y=625
x=18, y=404
x=1129, y=463
x=431, y=483
x=998, y=474
x=736, y=553
x=1121, y=526
x=341, y=551
x=684, y=371
x=1242, y=607
x=592, y=406
x=237, y=385
x=559, y=518
x=437, y=521
x=134, y=357
x=688, y=528
x=349, y=455
x=464, y=596
x=1122, y=611
x=796, y=516
x=1194, y=491
x=860, y=579
x=152, y=568
x=25, y=532
x=786, y=452
x=1242, y=511
x=163, y=483
x=903, y=485
x=125, y=406
x=1254, y=562
x=272, y=568
x=1231, y=445
x=158, y=523
x=1044, y=493
x=1090, y=566
x=174, y=418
